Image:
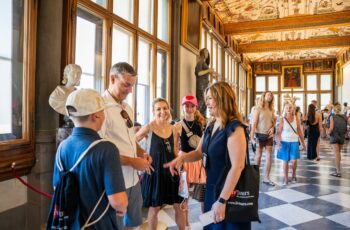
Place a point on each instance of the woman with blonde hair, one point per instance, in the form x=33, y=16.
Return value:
x=337, y=130
x=223, y=148
x=160, y=187
x=288, y=135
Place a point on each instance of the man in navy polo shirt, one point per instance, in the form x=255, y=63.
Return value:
x=100, y=169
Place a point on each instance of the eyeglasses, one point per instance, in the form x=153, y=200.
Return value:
x=125, y=115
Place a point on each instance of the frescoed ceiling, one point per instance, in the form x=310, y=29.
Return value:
x=251, y=10
x=286, y=29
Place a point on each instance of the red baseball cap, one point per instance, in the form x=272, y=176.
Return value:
x=190, y=99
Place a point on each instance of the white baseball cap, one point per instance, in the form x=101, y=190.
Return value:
x=84, y=102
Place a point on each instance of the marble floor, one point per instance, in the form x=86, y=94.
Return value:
x=317, y=201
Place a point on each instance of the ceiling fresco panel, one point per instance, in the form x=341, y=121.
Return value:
x=293, y=35
x=232, y=11
x=294, y=55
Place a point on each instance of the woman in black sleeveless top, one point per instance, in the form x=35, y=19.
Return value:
x=313, y=132
x=160, y=187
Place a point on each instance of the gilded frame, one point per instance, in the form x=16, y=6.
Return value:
x=292, y=77
x=191, y=26
x=338, y=74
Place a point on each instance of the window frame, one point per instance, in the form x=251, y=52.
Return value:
x=318, y=91
x=21, y=151
x=109, y=20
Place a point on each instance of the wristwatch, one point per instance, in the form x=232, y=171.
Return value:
x=222, y=200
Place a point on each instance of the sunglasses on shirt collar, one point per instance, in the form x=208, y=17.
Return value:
x=128, y=121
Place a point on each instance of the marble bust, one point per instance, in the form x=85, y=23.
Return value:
x=71, y=79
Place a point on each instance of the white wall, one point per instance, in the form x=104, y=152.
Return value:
x=13, y=194
x=345, y=92
x=188, y=61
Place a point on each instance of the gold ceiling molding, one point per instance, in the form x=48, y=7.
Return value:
x=309, y=54
x=288, y=23
x=296, y=44
x=293, y=35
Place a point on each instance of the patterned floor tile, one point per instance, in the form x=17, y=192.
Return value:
x=337, y=198
x=321, y=207
x=341, y=218
x=289, y=195
x=314, y=190
x=320, y=224
x=290, y=214
x=268, y=222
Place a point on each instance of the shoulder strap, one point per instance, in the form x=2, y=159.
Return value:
x=148, y=141
x=185, y=126
x=290, y=124
x=247, y=161
x=58, y=157
x=87, y=224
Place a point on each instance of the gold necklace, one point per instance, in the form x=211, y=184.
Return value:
x=189, y=126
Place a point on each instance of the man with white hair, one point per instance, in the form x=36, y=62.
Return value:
x=119, y=128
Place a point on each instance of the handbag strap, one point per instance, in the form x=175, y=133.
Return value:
x=187, y=130
x=290, y=124
x=247, y=160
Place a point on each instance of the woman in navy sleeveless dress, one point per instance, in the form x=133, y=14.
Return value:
x=224, y=139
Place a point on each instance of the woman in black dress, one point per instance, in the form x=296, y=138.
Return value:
x=160, y=188
x=314, y=122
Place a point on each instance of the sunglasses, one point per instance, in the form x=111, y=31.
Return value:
x=128, y=121
x=167, y=145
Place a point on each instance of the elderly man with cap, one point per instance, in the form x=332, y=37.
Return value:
x=100, y=169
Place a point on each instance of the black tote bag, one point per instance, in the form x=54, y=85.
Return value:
x=242, y=206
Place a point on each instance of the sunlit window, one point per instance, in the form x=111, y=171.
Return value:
x=300, y=101
x=234, y=71
x=311, y=82
x=88, y=49
x=219, y=61
x=325, y=99
x=273, y=83
x=146, y=15
x=209, y=47
x=11, y=66
x=122, y=45
x=143, y=106
x=260, y=84
x=124, y=9
x=326, y=82
x=203, y=38
x=161, y=73
x=102, y=3
x=163, y=20
x=310, y=97
x=214, y=55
